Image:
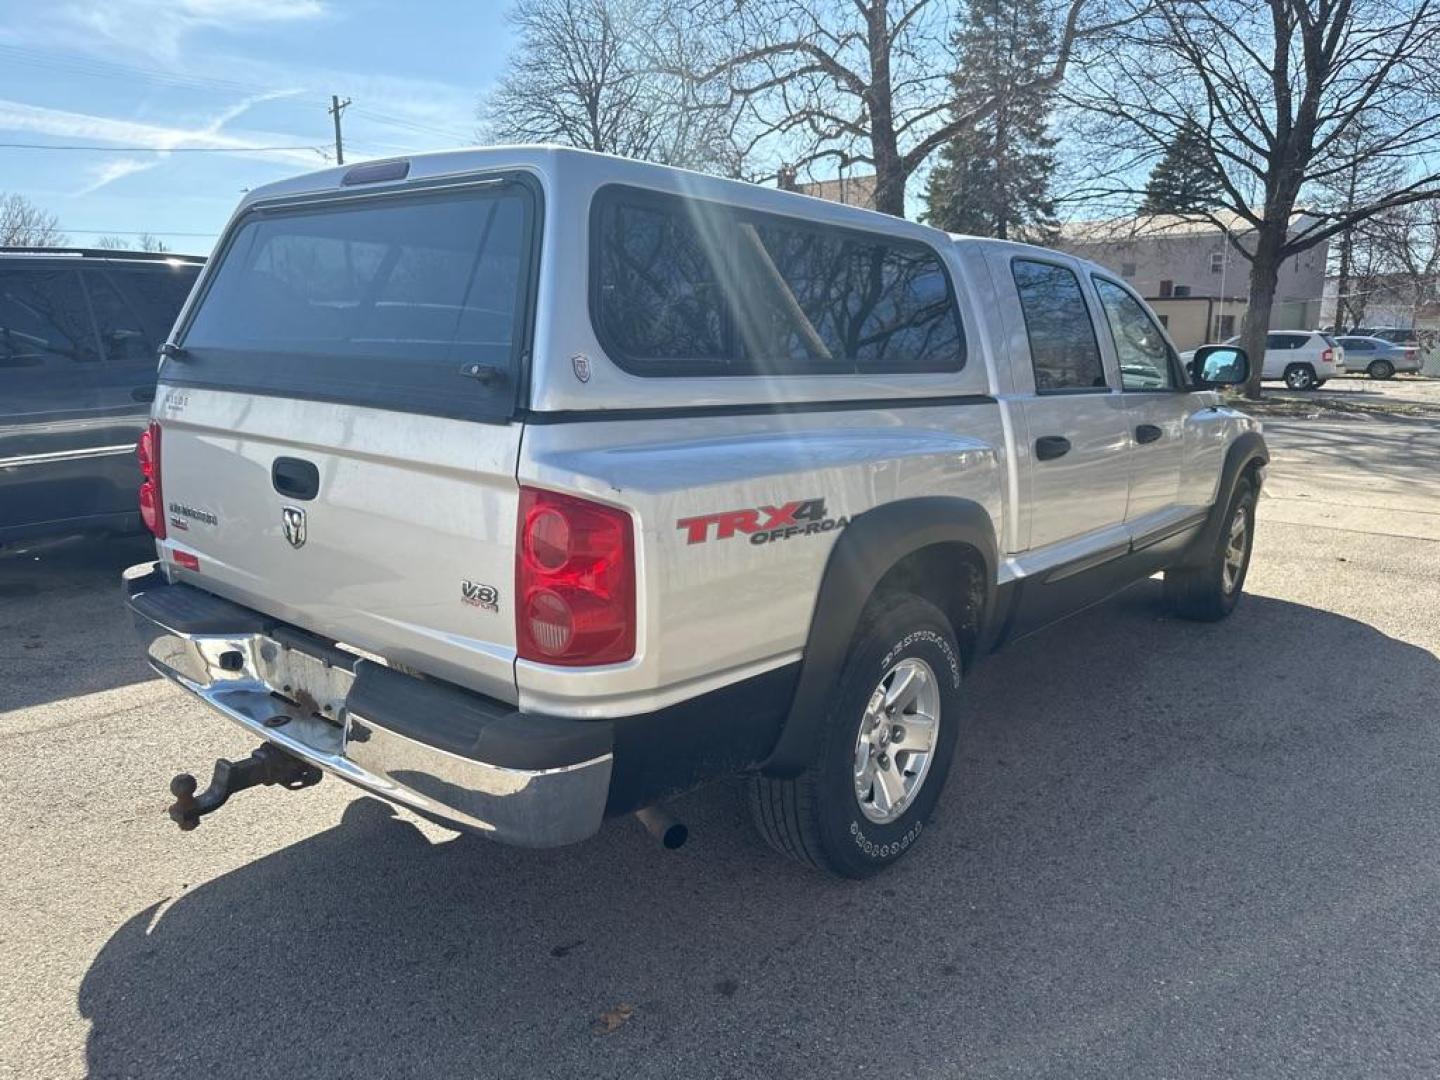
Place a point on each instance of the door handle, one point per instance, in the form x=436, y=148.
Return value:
x=295, y=479
x=1050, y=447
x=143, y=393
x=1147, y=433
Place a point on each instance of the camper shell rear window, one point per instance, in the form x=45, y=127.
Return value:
x=683, y=286
x=416, y=300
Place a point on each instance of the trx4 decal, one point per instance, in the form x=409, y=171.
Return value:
x=763, y=524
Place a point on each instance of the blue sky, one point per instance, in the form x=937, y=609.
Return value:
x=229, y=74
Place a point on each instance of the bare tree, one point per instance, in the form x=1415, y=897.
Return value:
x=1408, y=243
x=604, y=75
x=23, y=224
x=144, y=242
x=1358, y=263
x=847, y=82
x=1290, y=95
x=1358, y=255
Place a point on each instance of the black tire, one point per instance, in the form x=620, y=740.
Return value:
x=1201, y=593
x=1320, y=382
x=1380, y=369
x=817, y=818
x=1300, y=377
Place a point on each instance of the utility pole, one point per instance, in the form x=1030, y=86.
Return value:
x=336, y=108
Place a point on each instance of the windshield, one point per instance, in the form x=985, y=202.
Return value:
x=412, y=302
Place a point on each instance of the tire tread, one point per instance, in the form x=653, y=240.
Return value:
x=785, y=811
x=1194, y=593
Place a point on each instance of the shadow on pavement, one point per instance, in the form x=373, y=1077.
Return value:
x=64, y=630
x=1166, y=849
x=1402, y=451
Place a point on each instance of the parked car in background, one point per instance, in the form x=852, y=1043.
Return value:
x=1378, y=358
x=79, y=336
x=1304, y=359
x=1396, y=335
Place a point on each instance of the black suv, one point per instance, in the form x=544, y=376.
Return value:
x=79, y=334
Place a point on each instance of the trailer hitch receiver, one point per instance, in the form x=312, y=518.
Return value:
x=268, y=764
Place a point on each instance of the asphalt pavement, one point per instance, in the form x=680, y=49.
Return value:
x=1166, y=850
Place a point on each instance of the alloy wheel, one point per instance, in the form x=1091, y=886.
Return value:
x=1234, y=557
x=897, y=739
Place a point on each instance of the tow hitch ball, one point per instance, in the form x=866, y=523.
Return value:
x=268, y=764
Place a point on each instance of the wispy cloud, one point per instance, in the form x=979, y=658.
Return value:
x=117, y=169
x=151, y=27
x=89, y=127
x=162, y=36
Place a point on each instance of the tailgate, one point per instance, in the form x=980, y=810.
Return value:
x=338, y=433
x=406, y=548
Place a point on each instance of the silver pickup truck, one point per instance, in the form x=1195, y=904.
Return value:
x=526, y=487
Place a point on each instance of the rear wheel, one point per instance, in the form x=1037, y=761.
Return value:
x=884, y=751
x=1300, y=377
x=1210, y=592
x=1380, y=369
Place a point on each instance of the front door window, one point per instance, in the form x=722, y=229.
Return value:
x=1146, y=360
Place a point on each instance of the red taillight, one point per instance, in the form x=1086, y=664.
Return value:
x=574, y=581
x=1328, y=356
x=152, y=503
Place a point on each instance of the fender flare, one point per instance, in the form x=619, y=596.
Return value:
x=873, y=543
x=1247, y=449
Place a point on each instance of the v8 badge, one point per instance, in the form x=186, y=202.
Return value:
x=482, y=596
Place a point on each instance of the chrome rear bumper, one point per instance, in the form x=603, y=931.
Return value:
x=304, y=700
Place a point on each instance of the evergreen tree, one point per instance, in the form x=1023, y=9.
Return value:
x=993, y=179
x=1181, y=182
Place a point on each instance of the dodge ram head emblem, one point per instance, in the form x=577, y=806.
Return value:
x=294, y=520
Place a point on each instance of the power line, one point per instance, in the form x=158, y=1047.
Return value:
x=410, y=125
x=160, y=149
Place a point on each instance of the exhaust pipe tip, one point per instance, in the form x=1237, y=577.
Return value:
x=670, y=834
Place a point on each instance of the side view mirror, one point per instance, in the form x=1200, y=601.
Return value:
x=1219, y=365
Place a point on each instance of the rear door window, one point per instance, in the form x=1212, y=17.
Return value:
x=412, y=302
x=1063, y=349
x=124, y=342
x=44, y=319
x=156, y=293
x=687, y=287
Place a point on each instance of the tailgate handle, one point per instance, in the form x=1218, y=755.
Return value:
x=294, y=478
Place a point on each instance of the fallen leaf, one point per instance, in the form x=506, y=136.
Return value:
x=611, y=1020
